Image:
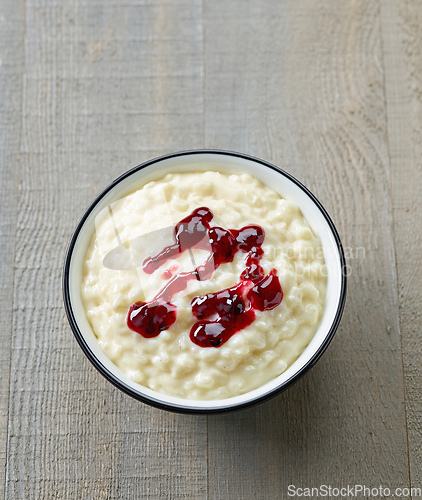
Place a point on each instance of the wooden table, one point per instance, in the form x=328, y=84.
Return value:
x=331, y=91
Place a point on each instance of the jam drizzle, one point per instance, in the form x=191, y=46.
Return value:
x=229, y=306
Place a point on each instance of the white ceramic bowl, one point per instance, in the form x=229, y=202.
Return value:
x=228, y=163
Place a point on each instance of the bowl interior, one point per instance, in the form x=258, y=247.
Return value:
x=228, y=164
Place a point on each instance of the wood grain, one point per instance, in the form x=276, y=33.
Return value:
x=331, y=92
x=402, y=38
x=107, y=85
x=12, y=22
x=302, y=84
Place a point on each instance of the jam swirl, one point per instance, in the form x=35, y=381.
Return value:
x=220, y=314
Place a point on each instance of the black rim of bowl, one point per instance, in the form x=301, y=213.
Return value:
x=180, y=408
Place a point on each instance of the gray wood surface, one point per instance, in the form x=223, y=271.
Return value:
x=106, y=86
x=11, y=69
x=315, y=106
x=329, y=91
x=402, y=34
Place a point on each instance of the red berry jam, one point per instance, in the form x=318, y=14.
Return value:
x=267, y=293
x=168, y=273
x=151, y=318
x=220, y=314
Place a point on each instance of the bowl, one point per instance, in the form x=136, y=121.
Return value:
x=225, y=162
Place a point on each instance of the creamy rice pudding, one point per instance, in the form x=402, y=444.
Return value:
x=202, y=285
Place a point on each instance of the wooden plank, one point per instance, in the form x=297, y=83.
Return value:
x=11, y=67
x=402, y=39
x=301, y=84
x=108, y=84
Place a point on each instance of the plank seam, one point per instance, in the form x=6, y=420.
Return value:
x=204, y=85
x=383, y=5
x=17, y=177
x=204, y=140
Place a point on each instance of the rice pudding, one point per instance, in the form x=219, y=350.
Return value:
x=146, y=302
